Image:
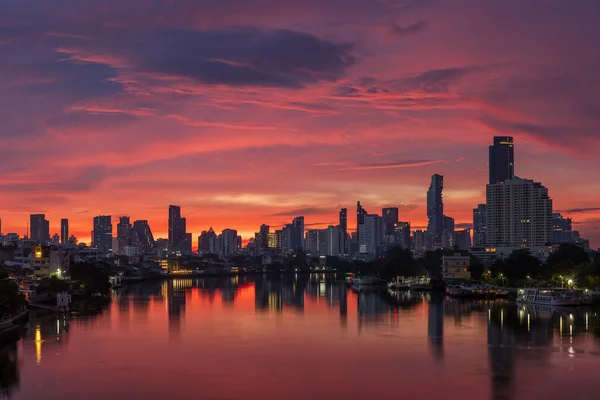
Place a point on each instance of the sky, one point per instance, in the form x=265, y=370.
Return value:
x=246, y=112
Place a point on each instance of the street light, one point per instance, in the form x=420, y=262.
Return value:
x=570, y=282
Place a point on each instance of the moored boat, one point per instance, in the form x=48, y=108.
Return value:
x=549, y=296
x=366, y=282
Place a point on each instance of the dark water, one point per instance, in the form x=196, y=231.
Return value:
x=303, y=338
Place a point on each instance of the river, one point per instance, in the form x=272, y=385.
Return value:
x=301, y=337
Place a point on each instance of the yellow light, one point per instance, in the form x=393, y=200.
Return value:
x=38, y=345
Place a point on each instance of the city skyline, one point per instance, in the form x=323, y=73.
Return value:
x=94, y=123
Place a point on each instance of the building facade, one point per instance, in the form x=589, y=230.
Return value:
x=435, y=211
x=102, y=233
x=502, y=159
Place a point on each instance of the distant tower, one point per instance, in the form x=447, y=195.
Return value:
x=102, y=233
x=502, y=159
x=64, y=231
x=435, y=210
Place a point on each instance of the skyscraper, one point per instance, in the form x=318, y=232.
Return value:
x=479, y=224
x=435, y=210
x=519, y=214
x=313, y=239
x=64, y=231
x=371, y=234
x=298, y=234
x=124, y=233
x=39, y=228
x=344, y=228
x=102, y=233
x=562, y=229
x=502, y=159
x=390, y=218
x=141, y=236
x=402, y=235
x=448, y=239
x=229, y=242
x=360, y=219
x=463, y=239
x=177, y=229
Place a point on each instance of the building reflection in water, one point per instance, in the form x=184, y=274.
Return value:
x=435, y=325
x=9, y=370
x=176, y=291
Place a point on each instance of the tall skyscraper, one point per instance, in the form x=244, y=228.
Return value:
x=463, y=239
x=502, y=159
x=102, y=233
x=333, y=236
x=479, y=224
x=435, y=210
x=124, y=233
x=207, y=242
x=344, y=228
x=64, y=231
x=519, y=214
x=177, y=229
x=313, y=239
x=298, y=234
x=229, y=242
x=39, y=228
x=360, y=219
x=390, y=218
x=371, y=234
x=141, y=236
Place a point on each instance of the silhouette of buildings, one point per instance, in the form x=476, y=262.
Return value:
x=64, y=231
x=479, y=225
x=435, y=211
x=102, y=233
x=502, y=159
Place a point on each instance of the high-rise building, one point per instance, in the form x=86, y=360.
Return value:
x=313, y=239
x=141, y=236
x=177, y=230
x=262, y=238
x=207, y=242
x=333, y=237
x=562, y=229
x=402, y=235
x=519, y=214
x=419, y=241
x=371, y=234
x=229, y=242
x=64, y=231
x=298, y=233
x=124, y=233
x=360, y=219
x=502, y=159
x=448, y=239
x=463, y=239
x=479, y=224
x=278, y=239
x=39, y=228
x=102, y=233
x=390, y=218
x=344, y=228
x=435, y=210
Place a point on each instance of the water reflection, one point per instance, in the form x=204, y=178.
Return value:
x=236, y=316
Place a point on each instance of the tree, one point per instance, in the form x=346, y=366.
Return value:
x=476, y=269
x=93, y=277
x=520, y=264
x=568, y=252
x=52, y=285
x=11, y=300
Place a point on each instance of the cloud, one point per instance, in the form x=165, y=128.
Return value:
x=435, y=80
x=400, y=164
x=235, y=57
x=401, y=31
x=580, y=210
x=302, y=211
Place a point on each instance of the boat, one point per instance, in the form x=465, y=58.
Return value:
x=399, y=285
x=366, y=282
x=549, y=297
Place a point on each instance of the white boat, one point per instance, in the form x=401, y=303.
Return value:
x=549, y=297
x=399, y=285
x=365, y=282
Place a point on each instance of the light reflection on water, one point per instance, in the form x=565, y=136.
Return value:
x=294, y=337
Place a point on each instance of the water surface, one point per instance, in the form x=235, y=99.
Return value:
x=287, y=337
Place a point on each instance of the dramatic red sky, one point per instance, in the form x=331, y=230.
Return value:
x=253, y=111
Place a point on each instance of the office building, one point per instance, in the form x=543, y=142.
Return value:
x=333, y=239
x=123, y=233
x=360, y=219
x=39, y=228
x=177, y=230
x=502, y=159
x=519, y=214
x=390, y=218
x=371, y=234
x=462, y=239
x=64, y=231
x=479, y=225
x=313, y=240
x=298, y=234
x=229, y=242
x=141, y=236
x=448, y=239
x=402, y=235
x=419, y=241
x=102, y=233
x=344, y=228
x=435, y=211
x=562, y=229
x=207, y=242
